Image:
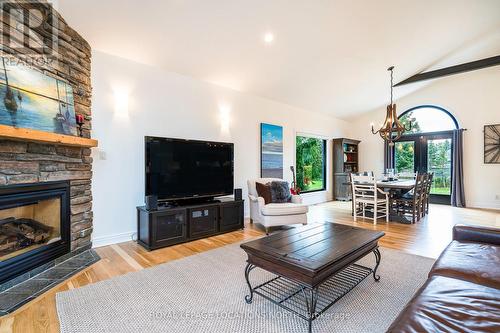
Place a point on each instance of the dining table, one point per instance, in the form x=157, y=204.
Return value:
x=395, y=188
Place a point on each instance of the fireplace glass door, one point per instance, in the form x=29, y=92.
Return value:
x=34, y=226
x=29, y=227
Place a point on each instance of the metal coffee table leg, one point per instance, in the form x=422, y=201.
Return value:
x=377, y=258
x=311, y=298
x=248, y=268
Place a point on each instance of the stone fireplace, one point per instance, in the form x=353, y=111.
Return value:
x=45, y=218
x=45, y=178
x=31, y=163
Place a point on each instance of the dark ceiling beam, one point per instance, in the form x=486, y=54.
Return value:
x=467, y=67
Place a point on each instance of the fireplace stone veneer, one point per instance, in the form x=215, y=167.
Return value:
x=25, y=161
x=28, y=163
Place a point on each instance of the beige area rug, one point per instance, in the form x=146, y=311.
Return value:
x=205, y=293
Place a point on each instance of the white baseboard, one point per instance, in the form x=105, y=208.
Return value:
x=112, y=239
x=484, y=204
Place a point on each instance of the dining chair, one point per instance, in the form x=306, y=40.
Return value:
x=366, y=193
x=427, y=193
x=421, y=210
x=364, y=173
x=411, y=203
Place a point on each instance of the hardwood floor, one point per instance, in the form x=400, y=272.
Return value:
x=427, y=238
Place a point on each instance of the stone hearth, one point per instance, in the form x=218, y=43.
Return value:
x=43, y=278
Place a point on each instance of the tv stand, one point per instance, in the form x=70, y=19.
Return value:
x=171, y=224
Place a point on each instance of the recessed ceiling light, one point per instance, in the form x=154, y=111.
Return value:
x=268, y=38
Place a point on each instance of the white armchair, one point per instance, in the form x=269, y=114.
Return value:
x=274, y=214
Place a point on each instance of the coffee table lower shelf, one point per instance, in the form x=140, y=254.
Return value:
x=305, y=302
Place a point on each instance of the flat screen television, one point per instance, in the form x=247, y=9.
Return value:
x=178, y=169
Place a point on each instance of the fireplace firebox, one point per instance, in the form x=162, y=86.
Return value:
x=34, y=226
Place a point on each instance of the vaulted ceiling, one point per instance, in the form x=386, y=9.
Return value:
x=327, y=56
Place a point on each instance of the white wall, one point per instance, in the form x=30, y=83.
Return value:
x=474, y=99
x=131, y=100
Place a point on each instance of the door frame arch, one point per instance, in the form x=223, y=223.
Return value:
x=420, y=140
x=431, y=106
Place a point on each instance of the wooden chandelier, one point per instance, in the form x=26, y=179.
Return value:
x=392, y=129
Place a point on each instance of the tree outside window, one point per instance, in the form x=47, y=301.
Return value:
x=310, y=163
x=404, y=157
x=439, y=163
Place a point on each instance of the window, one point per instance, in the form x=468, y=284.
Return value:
x=310, y=164
x=427, y=119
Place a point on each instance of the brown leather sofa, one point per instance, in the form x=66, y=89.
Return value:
x=462, y=293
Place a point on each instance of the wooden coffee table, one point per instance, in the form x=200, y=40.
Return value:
x=314, y=266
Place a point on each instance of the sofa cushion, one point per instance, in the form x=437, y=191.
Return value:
x=475, y=262
x=450, y=305
x=264, y=191
x=288, y=208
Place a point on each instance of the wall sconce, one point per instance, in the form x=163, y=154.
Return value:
x=121, y=102
x=225, y=120
x=225, y=112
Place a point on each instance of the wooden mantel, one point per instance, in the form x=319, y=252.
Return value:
x=26, y=134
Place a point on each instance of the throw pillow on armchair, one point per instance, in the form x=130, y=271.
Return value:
x=264, y=191
x=280, y=192
x=274, y=192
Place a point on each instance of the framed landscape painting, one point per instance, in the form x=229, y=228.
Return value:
x=31, y=99
x=271, y=151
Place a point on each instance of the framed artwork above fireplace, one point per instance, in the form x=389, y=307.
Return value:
x=31, y=99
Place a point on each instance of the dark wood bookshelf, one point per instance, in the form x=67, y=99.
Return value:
x=345, y=161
